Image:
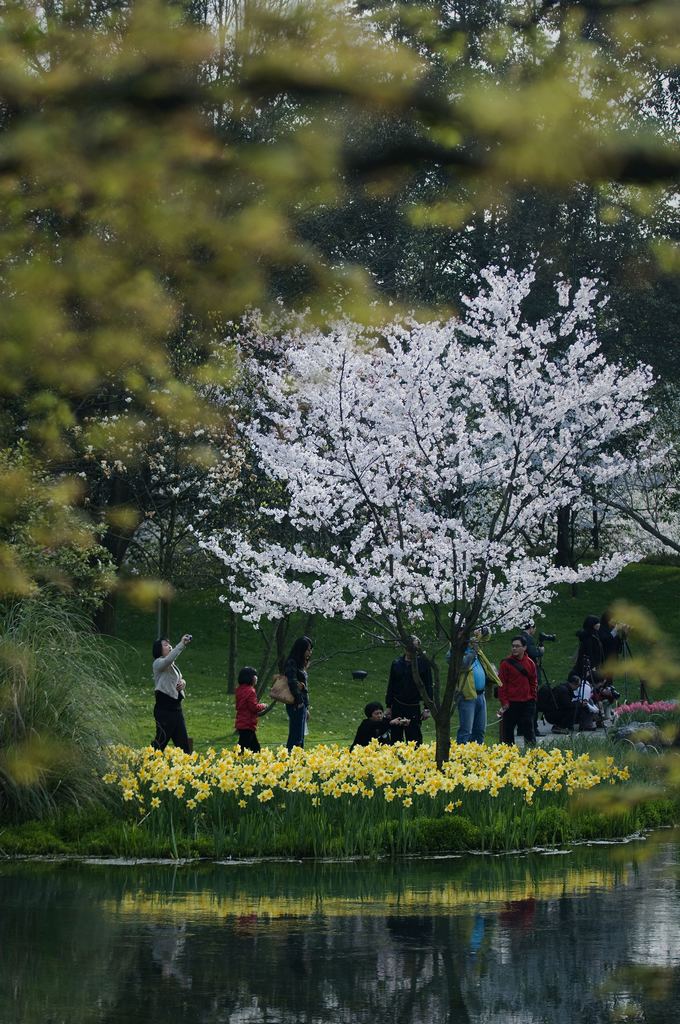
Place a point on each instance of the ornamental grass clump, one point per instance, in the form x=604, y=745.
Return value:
x=59, y=703
x=329, y=800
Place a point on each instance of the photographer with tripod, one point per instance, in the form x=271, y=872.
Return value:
x=536, y=651
x=589, y=660
x=614, y=640
x=612, y=637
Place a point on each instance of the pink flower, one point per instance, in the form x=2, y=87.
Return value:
x=649, y=707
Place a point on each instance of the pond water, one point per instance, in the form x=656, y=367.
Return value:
x=591, y=935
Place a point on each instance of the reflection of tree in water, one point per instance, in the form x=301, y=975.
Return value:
x=343, y=970
x=556, y=961
x=152, y=945
x=544, y=962
x=427, y=955
x=402, y=970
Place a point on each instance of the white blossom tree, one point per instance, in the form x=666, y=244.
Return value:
x=421, y=463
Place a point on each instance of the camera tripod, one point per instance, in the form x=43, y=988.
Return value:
x=541, y=677
x=626, y=655
x=542, y=674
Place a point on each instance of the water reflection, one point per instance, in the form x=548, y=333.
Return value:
x=518, y=940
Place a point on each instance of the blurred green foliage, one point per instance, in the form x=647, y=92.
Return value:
x=47, y=541
x=165, y=166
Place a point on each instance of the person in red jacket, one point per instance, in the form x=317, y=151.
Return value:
x=248, y=710
x=517, y=693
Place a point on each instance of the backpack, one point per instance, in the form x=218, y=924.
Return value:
x=545, y=701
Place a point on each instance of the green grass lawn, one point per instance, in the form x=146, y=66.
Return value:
x=337, y=700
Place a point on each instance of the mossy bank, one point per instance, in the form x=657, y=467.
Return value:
x=97, y=833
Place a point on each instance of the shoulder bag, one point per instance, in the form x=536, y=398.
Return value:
x=280, y=690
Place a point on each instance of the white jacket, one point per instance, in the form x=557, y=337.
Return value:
x=166, y=675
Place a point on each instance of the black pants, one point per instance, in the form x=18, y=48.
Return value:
x=247, y=740
x=406, y=732
x=519, y=714
x=570, y=718
x=170, y=726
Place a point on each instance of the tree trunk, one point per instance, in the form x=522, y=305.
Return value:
x=232, y=655
x=116, y=541
x=163, y=619
x=266, y=667
x=281, y=637
x=442, y=731
x=449, y=701
x=104, y=619
x=596, y=523
x=563, y=556
x=565, y=542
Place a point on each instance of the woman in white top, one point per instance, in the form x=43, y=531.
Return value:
x=170, y=689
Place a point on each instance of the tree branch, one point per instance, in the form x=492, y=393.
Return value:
x=644, y=523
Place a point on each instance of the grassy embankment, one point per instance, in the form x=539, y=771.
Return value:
x=267, y=828
x=337, y=699
x=375, y=802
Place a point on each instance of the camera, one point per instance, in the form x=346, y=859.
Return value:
x=549, y=638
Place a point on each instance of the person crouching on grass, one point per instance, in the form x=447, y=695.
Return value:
x=248, y=710
x=376, y=726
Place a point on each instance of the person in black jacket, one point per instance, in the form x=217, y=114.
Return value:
x=375, y=726
x=403, y=697
x=590, y=651
x=295, y=671
x=612, y=637
x=534, y=651
x=589, y=661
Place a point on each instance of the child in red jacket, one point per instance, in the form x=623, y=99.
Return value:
x=248, y=710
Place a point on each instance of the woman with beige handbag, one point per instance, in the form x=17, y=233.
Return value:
x=295, y=671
